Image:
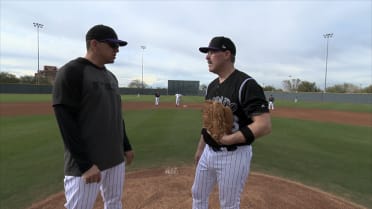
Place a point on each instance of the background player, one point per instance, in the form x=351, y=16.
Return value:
x=228, y=164
x=87, y=107
x=178, y=99
x=271, y=102
x=157, y=98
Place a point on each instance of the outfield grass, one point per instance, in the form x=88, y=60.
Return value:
x=326, y=106
x=163, y=98
x=335, y=158
x=7, y=98
x=163, y=137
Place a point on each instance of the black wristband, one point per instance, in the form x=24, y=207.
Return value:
x=248, y=134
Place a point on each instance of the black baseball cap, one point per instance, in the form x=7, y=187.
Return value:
x=105, y=34
x=220, y=43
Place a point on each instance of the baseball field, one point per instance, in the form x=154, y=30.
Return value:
x=319, y=155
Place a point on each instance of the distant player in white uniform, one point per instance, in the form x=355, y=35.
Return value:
x=228, y=164
x=178, y=99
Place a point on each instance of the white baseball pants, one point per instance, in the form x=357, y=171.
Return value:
x=271, y=105
x=229, y=169
x=80, y=195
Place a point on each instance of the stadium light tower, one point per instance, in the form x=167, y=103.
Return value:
x=38, y=26
x=143, y=49
x=327, y=36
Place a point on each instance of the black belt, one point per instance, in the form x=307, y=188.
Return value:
x=228, y=148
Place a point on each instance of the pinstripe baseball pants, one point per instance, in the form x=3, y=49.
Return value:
x=80, y=195
x=229, y=169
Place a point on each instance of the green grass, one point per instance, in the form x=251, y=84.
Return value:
x=335, y=158
x=163, y=137
x=30, y=160
x=7, y=98
x=163, y=98
x=325, y=106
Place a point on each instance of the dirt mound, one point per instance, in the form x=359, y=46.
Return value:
x=170, y=188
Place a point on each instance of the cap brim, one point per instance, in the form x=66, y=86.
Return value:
x=207, y=49
x=120, y=42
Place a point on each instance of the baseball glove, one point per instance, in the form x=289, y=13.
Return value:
x=217, y=119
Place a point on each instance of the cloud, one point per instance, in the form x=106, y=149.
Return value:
x=274, y=39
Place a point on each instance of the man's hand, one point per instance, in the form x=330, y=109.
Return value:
x=92, y=175
x=129, y=155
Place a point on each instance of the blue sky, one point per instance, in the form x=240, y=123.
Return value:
x=276, y=40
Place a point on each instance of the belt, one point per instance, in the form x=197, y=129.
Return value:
x=228, y=148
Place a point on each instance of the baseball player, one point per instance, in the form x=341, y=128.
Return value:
x=228, y=164
x=271, y=102
x=157, y=98
x=178, y=99
x=87, y=106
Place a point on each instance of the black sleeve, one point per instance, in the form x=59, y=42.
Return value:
x=253, y=99
x=126, y=143
x=67, y=122
x=67, y=88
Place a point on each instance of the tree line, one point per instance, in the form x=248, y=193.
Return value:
x=291, y=85
x=27, y=79
x=296, y=85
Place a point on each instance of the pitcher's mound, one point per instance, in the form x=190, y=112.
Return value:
x=170, y=188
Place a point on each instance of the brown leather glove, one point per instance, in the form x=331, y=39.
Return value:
x=217, y=119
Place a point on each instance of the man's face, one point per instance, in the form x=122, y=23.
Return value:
x=108, y=51
x=217, y=60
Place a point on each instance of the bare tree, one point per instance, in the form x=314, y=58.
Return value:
x=291, y=85
x=137, y=84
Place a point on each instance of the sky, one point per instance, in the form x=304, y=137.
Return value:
x=275, y=40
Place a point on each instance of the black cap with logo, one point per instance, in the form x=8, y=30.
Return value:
x=219, y=43
x=105, y=34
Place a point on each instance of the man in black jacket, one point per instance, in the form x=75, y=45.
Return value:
x=87, y=106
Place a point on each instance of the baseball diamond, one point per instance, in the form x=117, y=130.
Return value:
x=146, y=188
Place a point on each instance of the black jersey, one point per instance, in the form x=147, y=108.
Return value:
x=242, y=94
x=87, y=103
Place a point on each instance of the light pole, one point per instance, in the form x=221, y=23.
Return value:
x=38, y=26
x=143, y=49
x=326, y=36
